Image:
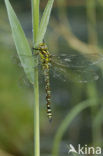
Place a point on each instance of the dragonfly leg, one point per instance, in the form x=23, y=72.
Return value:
x=36, y=53
x=35, y=48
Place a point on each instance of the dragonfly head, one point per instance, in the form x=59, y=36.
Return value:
x=43, y=46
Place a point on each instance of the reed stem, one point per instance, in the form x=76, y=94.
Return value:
x=35, y=23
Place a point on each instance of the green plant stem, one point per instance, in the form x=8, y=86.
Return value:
x=36, y=116
x=35, y=18
x=95, y=112
x=92, y=90
x=67, y=121
x=91, y=17
x=35, y=23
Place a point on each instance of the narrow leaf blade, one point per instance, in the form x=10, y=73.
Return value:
x=22, y=46
x=44, y=21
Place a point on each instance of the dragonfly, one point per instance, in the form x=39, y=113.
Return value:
x=83, y=66
x=46, y=61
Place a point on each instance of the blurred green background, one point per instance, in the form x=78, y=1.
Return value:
x=74, y=26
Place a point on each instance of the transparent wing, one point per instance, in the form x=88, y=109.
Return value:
x=76, y=67
x=16, y=59
x=81, y=68
x=77, y=61
x=23, y=81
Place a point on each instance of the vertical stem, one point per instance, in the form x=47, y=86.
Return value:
x=91, y=17
x=35, y=23
x=93, y=40
x=35, y=18
x=36, y=116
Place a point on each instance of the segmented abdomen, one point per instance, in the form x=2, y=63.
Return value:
x=48, y=92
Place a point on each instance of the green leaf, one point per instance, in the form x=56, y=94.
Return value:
x=67, y=121
x=22, y=46
x=44, y=21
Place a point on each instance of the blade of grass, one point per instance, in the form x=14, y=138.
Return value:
x=92, y=90
x=23, y=48
x=38, y=35
x=35, y=25
x=95, y=114
x=91, y=17
x=97, y=122
x=44, y=21
x=21, y=43
x=35, y=18
x=67, y=121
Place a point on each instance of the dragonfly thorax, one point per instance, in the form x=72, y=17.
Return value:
x=44, y=55
x=42, y=46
